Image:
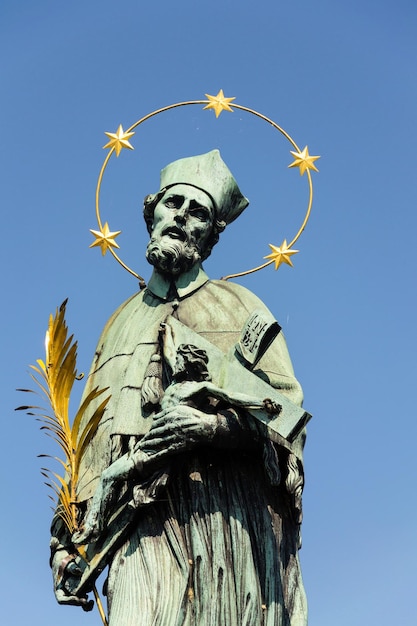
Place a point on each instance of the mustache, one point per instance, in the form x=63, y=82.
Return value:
x=175, y=232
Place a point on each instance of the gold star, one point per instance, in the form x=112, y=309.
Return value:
x=281, y=254
x=104, y=238
x=304, y=161
x=219, y=103
x=119, y=140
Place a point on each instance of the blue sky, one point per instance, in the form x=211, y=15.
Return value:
x=338, y=76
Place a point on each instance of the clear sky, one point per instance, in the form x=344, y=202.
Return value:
x=338, y=76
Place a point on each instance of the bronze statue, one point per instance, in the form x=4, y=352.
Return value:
x=208, y=487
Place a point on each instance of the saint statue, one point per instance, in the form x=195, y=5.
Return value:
x=211, y=493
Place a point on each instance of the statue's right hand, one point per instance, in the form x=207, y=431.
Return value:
x=67, y=576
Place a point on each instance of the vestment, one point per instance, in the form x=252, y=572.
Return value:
x=220, y=547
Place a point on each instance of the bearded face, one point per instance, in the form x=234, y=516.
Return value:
x=182, y=224
x=172, y=257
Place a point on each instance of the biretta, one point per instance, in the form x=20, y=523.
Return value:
x=209, y=173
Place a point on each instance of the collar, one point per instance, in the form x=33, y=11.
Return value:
x=185, y=284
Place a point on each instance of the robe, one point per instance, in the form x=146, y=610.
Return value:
x=219, y=546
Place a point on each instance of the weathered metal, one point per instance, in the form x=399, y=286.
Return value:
x=190, y=490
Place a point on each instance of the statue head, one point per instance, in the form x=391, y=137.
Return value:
x=197, y=199
x=190, y=364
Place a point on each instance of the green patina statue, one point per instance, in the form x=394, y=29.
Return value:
x=190, y=490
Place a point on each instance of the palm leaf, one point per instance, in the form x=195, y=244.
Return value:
x=55, y=379
x=40, y=385
x=80, y=413
x=59, y=441
x=55, y=458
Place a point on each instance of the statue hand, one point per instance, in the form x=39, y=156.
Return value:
x=67, y=574
x=178, y=429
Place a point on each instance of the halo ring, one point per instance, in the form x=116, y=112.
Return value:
x=199, y=102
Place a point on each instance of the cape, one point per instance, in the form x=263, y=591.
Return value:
x=217, y=311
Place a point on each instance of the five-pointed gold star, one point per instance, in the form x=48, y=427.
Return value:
x=281, y=254
x=119, y=140
x=104, y=238
x=219, y=103
x=304, y=161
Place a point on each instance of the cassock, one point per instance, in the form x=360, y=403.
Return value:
x=219, y=545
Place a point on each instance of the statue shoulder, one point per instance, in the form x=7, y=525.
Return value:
x=234, y=292
x=120, y=319
x=126, y=307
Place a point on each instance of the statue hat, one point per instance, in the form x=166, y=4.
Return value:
x=209, y=173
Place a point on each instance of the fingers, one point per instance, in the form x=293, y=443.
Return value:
x=87, y=605
x=162, y=437
x=177, y=429
x=179, y=426
x=65, y=592
x=180, y=410
x=73, y=569
x=73, y=600
x=169, y=442
x=172, y=419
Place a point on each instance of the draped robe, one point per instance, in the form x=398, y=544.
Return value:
x=219, y=546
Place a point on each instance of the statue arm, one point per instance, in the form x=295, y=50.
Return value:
x=174, y=431
x=169, y=347
x=237, y=399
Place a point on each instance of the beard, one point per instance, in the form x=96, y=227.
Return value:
x=172, y=256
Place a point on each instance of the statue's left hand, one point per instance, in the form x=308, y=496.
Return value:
x=67, y=575
x=178, y=429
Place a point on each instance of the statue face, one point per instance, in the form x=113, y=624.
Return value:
x=182, y=224
x=184, y=213
x=180, y=365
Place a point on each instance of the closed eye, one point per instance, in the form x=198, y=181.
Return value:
x=200, y=212
x=174, y=202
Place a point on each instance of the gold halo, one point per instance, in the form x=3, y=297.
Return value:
x=218, y=103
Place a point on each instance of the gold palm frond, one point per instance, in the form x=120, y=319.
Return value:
x=55, y=378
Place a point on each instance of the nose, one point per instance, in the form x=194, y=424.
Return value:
x=181, y=213
x=180, y=217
